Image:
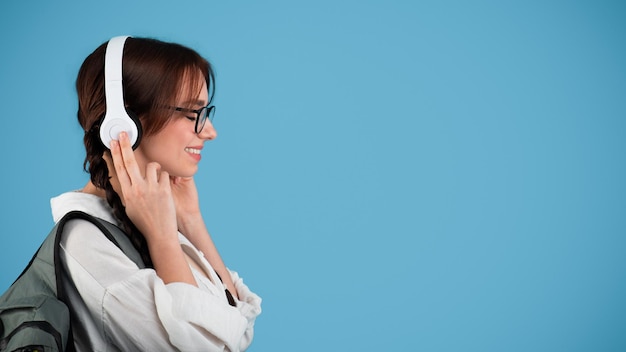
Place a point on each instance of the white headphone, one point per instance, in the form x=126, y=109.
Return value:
x=117, y=117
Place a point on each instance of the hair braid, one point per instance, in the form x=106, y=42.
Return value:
x=99, y=172
x=135, y=236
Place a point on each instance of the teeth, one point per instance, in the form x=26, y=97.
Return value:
x=192, y=150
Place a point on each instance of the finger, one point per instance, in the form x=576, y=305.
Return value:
x=179, y=179
x=176, y=180
x=153, y=169
x=130, y=163
x=118, y=165
x=164, y=179
x=113, y=179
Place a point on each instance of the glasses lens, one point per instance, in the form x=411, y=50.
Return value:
x=206, y=113
x=210, y=112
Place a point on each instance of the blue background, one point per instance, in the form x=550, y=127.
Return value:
x=389, y=175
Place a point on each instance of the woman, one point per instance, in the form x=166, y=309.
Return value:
x=185, y=299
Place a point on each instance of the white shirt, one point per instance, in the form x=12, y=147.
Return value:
x=118, y=307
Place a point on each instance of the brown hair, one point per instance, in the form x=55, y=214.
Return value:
x=153, y=73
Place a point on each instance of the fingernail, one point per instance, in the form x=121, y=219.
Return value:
x=123, y=135
x=114, y=144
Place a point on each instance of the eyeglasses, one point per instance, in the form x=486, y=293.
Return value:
x=203, y=114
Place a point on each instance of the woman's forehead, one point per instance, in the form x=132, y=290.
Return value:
x=193, y=90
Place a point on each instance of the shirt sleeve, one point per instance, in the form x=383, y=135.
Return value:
x=249, y=305
x=135, y=310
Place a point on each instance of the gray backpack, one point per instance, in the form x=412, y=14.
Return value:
x=34, y=315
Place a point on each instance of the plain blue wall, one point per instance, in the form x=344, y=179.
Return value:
x=389, y=175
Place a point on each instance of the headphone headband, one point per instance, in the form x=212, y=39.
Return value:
x=117, y=118
x=113, y=75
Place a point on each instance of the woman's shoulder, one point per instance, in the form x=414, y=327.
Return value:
x=80, y=201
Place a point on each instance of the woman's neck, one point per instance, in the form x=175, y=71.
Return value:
x=92, y=189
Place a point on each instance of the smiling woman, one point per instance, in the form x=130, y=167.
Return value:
x=185, y=298
x=177, y=146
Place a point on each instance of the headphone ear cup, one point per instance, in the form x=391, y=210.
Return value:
x=113, y=124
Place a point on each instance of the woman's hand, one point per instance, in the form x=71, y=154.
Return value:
x=185, y=196
x=150, y=206
x=147, y=196
x=191, y=224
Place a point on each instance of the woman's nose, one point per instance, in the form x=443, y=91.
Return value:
x=208, y=132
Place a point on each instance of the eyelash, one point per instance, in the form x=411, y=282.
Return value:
x=191, y=118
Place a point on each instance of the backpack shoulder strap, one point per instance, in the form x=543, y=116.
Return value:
x=112, y=232
x=50, y=251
